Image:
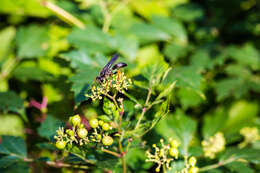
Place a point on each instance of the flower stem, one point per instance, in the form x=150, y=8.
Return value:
x=217, y=165
x=64, y=15
x=111, y=152
x=144, y=108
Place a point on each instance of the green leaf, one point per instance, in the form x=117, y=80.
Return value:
x=249, y=154
x=11, y=164
x=127, y=46
x=32, y=41
x=245, y=55
x=136, y=159
x=31, y=73
x=189, y=98
x=188, y=12
x=24, y=8
x=178, y=126
x=213, y=122
x=172, y=27
x=13, y=146
x=175, y=51
x=92, y=39
x=239, y=167
x=186, y=78
x=6, y=37
x=241, y=113
x=230, y=87
x=147, y=33
x=82, y=81
x=11, y=125
x=201, y=60
x=81, y=59
x=49, y=126
x=166, y=91
x=9, y=101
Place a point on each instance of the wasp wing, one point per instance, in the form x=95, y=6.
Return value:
x=109, y=64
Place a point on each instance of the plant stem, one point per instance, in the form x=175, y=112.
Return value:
x=107, y=16
x=64, y=15
x=164, y=169
x=219, y=164
x=111, y=152
x=144, y=108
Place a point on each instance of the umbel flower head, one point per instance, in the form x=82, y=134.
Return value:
x=118, y=82
x=213, y=145
x=250, y=135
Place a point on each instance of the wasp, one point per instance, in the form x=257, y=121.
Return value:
x=109, y=69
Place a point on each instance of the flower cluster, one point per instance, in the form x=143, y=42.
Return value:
x=213, y=145
x=163, y=155
x=79, y=134
x=250, y=135
x=118, y=82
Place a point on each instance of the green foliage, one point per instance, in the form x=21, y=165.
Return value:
x=194, y=70
x=9, y=101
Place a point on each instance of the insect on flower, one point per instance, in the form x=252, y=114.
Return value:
x=108, y=71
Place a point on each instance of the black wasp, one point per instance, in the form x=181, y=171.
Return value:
x=107, y=70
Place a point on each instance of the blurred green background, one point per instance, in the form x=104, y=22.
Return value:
x=211, y=45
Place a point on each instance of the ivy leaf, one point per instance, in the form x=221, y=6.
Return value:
x=25, y=8
x=245, y=55
x=6, y=37
x=188, y=12
x=25, y=74
x=174, y=51
x=239, y=167
x=230, y=87
x=213, y=122
x=32, y=41
x=92, y=39
x=13, y=146
x=178, y=126
x=9, y=101
x=189, y=98
x=148, y=33
x=186, y=77
x=49, y=126
x=11, y=125
x=9, y=164
x=241, y=113
x=172, y=27
x=82, y=81
x=249, y=154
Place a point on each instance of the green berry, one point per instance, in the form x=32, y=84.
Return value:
x=60, y=144
x=93, y=123
x=157, y=169
x=107, y=140
x=82, y=133
x=75, y=120
x=100, y=122
x=106, y=126
x=174, y=152
x=174, y=144
x=69, y=132
x=98, y=136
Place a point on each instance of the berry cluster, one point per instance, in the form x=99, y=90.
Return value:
x=163, y=155
x=79, y=134
x=214, y=145
x=118, y=82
